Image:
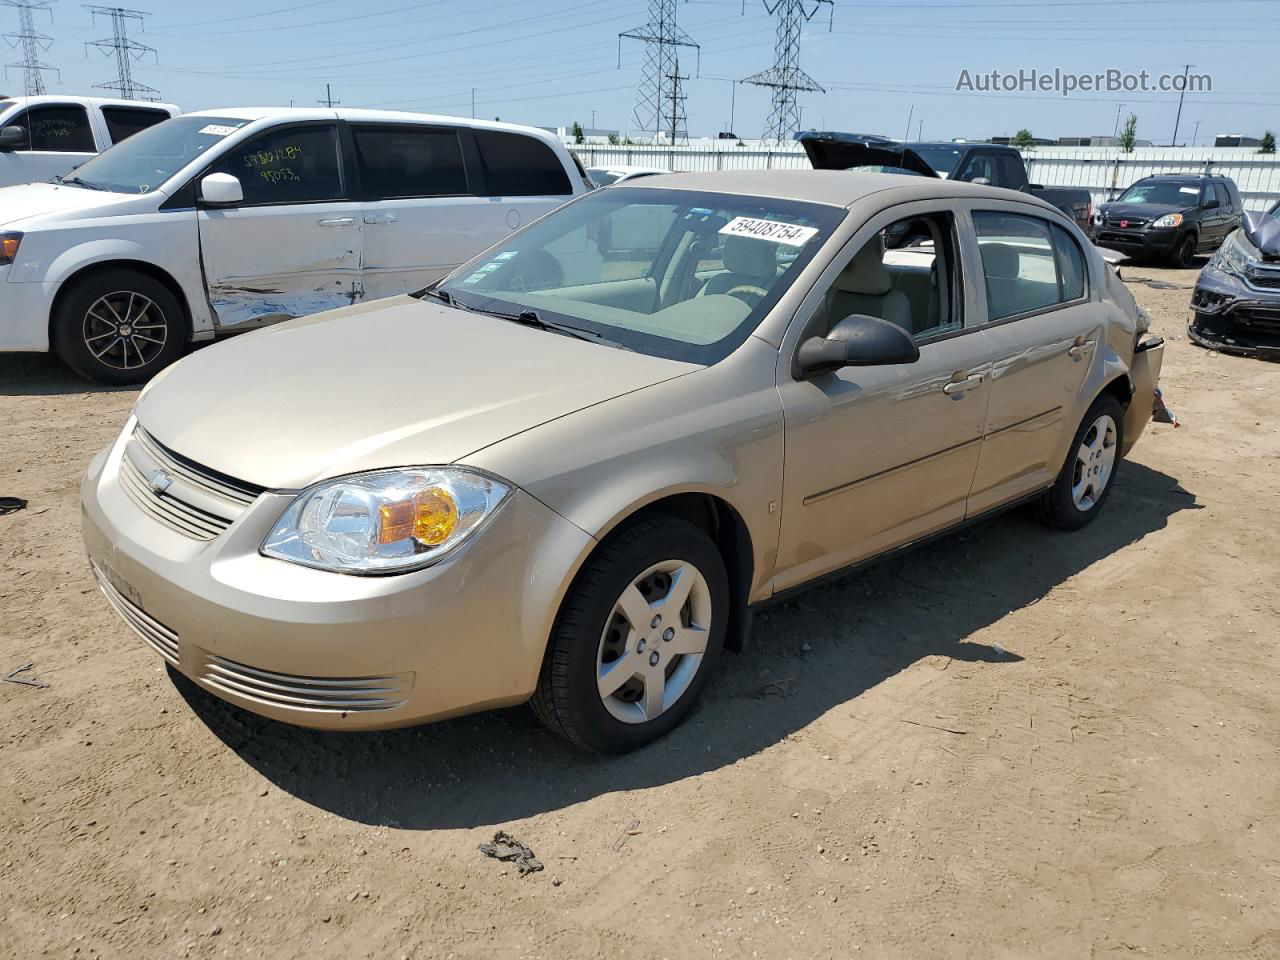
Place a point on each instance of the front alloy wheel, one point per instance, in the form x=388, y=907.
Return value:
x=124, y=330
x=636, y=637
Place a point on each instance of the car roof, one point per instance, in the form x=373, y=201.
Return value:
x=834, y=187
x=89, y=101
x=370, y=116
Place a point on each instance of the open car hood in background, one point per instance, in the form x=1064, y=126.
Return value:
x=828, y=150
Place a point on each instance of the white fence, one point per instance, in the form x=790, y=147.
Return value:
x=1104, y=171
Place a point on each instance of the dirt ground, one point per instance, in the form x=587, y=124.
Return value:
x=1011, y=744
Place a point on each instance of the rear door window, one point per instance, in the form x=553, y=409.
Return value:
x=290, y=165
x=56, y=128
x=518, y=166
x=409, y=161
x=1028, y=264
x=124, y=122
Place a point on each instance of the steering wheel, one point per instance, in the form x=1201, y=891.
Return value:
x=747, y=290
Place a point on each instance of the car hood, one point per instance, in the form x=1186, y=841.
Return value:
x=1264, y=233
x=34, y=199
x=849, y=151
x=1140, y=211
x=393, y=382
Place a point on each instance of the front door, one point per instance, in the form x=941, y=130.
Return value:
x=880, y=456
x=59, y=139
x=1045, y=329
x=293, y=247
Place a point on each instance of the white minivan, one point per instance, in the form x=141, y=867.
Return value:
x=225, y=220
x=49, y=136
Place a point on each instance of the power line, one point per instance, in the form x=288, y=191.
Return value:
x=785, y=78
x=127, y=52
x=32, y=43
x=663, y=39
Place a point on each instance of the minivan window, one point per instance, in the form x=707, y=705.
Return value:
x=673, y=273
x=124, y=122
x=406, y=161
x=520, y=166
x=56, y=128
x=1026, y=267
x=296, y=164
x=148, y=159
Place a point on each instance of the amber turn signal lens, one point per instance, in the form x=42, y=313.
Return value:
x=430, y=518
x=9, y=243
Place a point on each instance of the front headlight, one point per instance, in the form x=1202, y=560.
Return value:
x=1169, y=220
x=1231, y=256
x=389, y=521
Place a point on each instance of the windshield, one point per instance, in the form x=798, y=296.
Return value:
x=1166, y=194
x=148, y=159
x=601, y=177
x=672, y=273
x=942, y=159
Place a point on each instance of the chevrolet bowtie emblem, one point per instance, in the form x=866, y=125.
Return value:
x=160, y=481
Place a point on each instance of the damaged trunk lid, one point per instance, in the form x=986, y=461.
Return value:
x=828, y=150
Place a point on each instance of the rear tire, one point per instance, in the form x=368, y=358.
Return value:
x=612, y=680
x=119, y=327
x=1086, y=479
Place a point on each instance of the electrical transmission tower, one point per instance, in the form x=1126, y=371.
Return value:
x=127, y=52
x=785, y=78
x=675, y=113
x=663, y=39
x=32, y=43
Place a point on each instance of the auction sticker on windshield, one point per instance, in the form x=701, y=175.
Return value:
x=792, y=234
x=217, y=130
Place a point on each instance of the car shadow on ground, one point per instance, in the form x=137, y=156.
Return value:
x=806, y=657
x=44, y=375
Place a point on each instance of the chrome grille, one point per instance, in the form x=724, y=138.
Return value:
x=190, y=499
x=330, y=694
x=159, y=637
x=1130, y=222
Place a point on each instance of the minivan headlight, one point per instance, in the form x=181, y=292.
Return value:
x=9, y=244
x=1169, y=220
x=388, y=521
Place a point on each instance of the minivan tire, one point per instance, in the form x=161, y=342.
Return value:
x=129, y=312
x=1058, y=506
x=568, y=699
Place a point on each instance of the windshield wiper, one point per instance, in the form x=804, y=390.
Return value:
x=76, y=181
x=526, y=318
x=440, y=295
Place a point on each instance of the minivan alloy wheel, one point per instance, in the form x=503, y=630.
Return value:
x=654, y=641
x=1095, y=462
x=124, y=330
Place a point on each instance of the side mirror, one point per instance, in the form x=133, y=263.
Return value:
x=12, y=137
x=221, y=190
x=856, y=341
x=981, y=181
x=1210, y=204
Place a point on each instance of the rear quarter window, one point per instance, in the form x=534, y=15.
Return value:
x=518, y=166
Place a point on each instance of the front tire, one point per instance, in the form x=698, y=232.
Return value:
x=1184, y=255
x=636, y=638
x=1086, y=479
x=119, y=327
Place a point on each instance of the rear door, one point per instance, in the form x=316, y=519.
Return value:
x=1045, y=328
x=520, y=177
x=59, y=139
x=293, y=247
x=421, y=217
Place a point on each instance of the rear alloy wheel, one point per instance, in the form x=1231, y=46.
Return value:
x=119, y=327
x=1086, y=478
x=636, y=638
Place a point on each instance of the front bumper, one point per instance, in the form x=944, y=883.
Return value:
x=1234, y=316
x=24, y=315
x=329, y=650
x=1144, y=242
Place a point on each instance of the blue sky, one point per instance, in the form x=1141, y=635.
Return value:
x=550, y=62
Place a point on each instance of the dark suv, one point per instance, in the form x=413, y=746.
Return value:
x=1170, y=217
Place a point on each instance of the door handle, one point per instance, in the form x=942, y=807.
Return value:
x=960, y=386
x=337, y=222
x=379, y=218
x=1080, y=348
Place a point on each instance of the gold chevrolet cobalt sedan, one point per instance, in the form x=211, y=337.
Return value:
x=566, y=473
